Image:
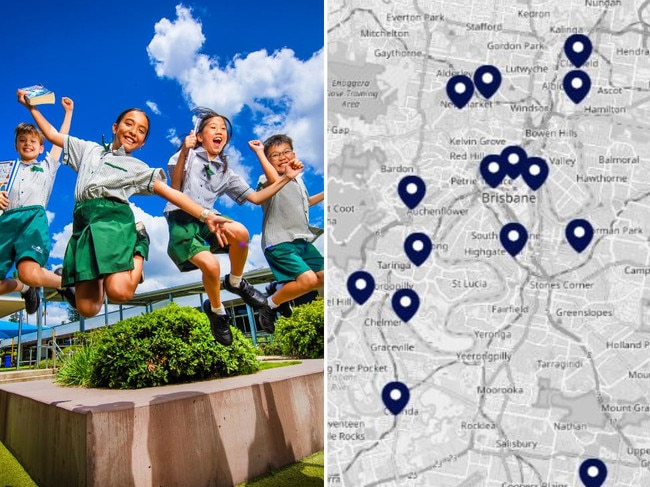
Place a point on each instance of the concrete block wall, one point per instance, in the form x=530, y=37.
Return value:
x=213, y=433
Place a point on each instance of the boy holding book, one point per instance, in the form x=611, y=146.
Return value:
x=25, y=235
x=286, y=235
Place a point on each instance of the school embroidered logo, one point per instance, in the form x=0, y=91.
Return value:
x=37, y=248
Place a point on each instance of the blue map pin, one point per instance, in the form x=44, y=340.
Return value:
x=577, y=48
x=411, y=190
x=487, y=79
x=593, y=472
x=513, y=237
x=579, y=234
x=535, y=172
x=395, y=396
x=405, y=303
x=418, y=248
x=576, y=85
x=361, y=286
x=493, y=170
x=514, y=160
x=460, y=90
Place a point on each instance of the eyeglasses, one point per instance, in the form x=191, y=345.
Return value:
x=276, y=155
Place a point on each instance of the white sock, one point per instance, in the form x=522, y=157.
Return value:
x=220, y=310
x=270, y=302
x=234, y=280
x=24, y=289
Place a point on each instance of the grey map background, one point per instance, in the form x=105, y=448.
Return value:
x=519, y=369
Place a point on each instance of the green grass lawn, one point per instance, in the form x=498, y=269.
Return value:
x=11, y=472
x=308, y=472
x=274, y=365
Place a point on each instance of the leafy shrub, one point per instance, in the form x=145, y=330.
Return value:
x=274, y=347
x=170, y=345
x=301, y=335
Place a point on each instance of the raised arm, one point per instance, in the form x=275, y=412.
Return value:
x=68, y=106
x=317, y=198
x=176, y=177
x=269, y=171
x=49, y=132
x=264, y=194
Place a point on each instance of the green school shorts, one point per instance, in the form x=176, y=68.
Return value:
x=25, y=235
x=103, y=241
x=288, y=260
x=187, y=237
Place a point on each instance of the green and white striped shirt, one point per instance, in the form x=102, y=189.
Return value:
x=107, y=174
x=33, y=184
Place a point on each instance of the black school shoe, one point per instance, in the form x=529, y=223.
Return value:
x=67, y=293
x=219, y=325
x=285, y=308
x=32, y=300
x=267, y=317
x=250, y=295
x=69, y=296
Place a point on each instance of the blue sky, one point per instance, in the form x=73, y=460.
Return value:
x=260, y=63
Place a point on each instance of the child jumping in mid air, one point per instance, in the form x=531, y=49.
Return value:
x=200, y=170
x=25, y=233
x=296, y=264
x=107, y=249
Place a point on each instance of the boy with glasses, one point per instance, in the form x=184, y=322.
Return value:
x=286, y=235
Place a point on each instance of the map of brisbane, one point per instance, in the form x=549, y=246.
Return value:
x=489, y=321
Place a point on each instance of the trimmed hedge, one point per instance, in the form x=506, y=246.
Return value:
x=168, y=346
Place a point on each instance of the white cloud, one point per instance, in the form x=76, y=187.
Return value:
x=175, y=44
x=50, y=216
x=173, y=138
x=60, y=242
x=256, y=257
x=285, y=93
x=153, y=106
x=56, y=313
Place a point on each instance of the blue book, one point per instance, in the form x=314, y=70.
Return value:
x=8, y=172
x=38, y=94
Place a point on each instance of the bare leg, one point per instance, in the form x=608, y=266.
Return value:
x=121, y=286
x=210, y=272
x=90, y=297
x=304, y=283
x=32, y=274
x=238, y=250
x=10, y=285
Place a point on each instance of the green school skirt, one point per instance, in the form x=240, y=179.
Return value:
x=103, y=241
x=25, y=235
x=187, y=237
